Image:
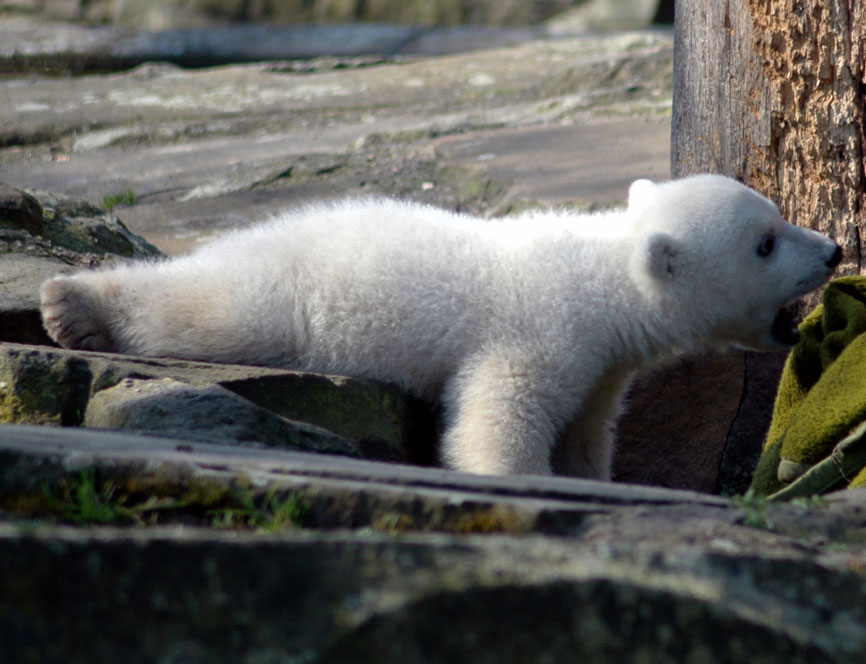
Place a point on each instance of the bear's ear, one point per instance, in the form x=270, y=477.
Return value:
x=657, y=255
x=639, y=194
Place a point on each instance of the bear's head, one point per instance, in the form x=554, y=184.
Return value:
x=720, y=260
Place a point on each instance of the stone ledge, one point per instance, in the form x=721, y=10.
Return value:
x=67, y=450
x=40, y=385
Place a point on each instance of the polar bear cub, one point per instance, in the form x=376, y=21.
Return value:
x=527, y=329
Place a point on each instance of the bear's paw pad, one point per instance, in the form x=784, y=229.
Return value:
x=71, y=316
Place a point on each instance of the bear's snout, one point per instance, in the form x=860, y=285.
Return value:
x=836, y=258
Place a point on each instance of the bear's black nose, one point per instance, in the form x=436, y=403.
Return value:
x=836, y=258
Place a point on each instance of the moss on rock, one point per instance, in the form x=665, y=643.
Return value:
x=42, y=387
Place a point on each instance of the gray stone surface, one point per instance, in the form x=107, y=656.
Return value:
x=208, y=149
x=20, y=277
x=190, y=596
x=666, y=443
x=635, y=574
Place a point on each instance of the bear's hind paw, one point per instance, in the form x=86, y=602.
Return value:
x=71, y=315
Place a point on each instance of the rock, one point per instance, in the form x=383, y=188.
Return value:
x=416, y=12
x=599, y=15
x=43, y=388
x=167, y=407
x=68, y=230
x=634, y=574
x=749, y=428
x=20, y=277
x=78, y=226
x=196, y=596
x=65, y=48
x=361, y=491
x=52, y=386
x=383, y=422
x=520, y=158
x=19, y=210
x=666, y=445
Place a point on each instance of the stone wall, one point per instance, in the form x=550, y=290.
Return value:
x=157, y=14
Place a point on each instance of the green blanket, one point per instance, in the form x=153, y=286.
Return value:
x=821, y=398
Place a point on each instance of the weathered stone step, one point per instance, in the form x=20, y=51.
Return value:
x=33, y=456
x=665, y=575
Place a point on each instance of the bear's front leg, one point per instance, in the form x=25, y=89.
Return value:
x=503, y=412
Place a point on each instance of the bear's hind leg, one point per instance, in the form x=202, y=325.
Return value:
x=585, y=451
x=586, y=446
x=72, y=315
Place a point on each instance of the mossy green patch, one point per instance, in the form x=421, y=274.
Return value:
x=90, y=498
x=474, y=185
x=465, y=520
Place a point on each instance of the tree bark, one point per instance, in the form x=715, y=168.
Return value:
x=773, y=92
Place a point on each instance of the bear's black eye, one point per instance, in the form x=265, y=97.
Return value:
x=766, y=246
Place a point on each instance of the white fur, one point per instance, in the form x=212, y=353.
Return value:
x=528, y=329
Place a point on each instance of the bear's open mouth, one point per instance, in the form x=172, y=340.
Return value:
x=784, y=329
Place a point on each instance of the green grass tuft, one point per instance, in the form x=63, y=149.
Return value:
x=87, y=499
x=268, y=514
x=755, y=510
x=82, y=501
x=125, y=197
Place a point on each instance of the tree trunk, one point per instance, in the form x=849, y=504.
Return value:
x=771, y=92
